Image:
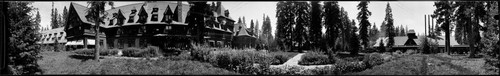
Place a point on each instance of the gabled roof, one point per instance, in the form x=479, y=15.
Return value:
x=241, y=30
x=52, y=32
x=161, y=5
x=81, y=11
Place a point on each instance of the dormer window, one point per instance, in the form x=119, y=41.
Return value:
x=111, y=21
x=120, y=18
x=143, y=15
x=131, y=16
x=154, y=14
x=167, y=16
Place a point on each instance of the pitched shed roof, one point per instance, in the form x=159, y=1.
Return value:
x=50, y=36
x=241, y=30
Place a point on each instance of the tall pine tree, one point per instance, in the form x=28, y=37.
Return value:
x=332, y=21
x=364, y=24
x=300, y=30
x=23, y=35
x=285, y=19
x=316, y=27
x=442, y=13
x=389, y=25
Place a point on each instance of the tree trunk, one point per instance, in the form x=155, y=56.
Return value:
x=471, y=38
x=96, y=51
x=447, y=37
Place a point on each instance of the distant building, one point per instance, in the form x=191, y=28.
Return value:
x=411, y=41
x=243, y=37
x=53, y=37
x=159, y=23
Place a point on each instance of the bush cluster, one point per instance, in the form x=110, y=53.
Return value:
x=201, y=53
x=150, y=51
x=281, y=57
x=493, y=62
x=314, y=58
x=181, y=56
x=242, y=61
x=105, y=52
x=373, y=60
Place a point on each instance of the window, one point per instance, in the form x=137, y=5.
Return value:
x=131, y=17
x=154, y=14
x=143, y=16
x=167, y=15
x=142, y=29
x=59, y=38
x=120, y=18
x=61, y=34
x=119, y=31
x=167, y=28
x=111, y=22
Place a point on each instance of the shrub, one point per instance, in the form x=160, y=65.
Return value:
x=201, y=52
x=314, y=58
x=150, y=51
x=242, y=61
x=286, y=70
x=281, y=57
x=84, y=51
x=181, y=56
x=347, y=67
x=108, y=52
x=373, y=60
x=104, y=52
x=131, y=52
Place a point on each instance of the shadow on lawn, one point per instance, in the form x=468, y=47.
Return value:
x=81, y=57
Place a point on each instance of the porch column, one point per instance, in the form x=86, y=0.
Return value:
x=137, y=42
x=85, y=42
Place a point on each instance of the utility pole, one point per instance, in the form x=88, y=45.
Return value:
x=425, y=26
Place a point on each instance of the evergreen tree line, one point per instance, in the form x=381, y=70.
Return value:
x=466, y=19
x=300, y=24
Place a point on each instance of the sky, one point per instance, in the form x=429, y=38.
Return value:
x=406, y=13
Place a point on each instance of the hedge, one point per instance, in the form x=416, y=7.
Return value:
x=315, y=58
x=105, y=52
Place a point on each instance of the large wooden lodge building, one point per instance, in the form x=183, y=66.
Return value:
x=160, y=23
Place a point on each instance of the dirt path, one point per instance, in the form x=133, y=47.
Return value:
x=294, y=61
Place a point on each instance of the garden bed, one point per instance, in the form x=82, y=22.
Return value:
x=315, y=58
x=282, y=57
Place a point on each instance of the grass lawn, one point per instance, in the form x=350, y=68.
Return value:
x=67, y=63
x=429, y=64
x=410, y=65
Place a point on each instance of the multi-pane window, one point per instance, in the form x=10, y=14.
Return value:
x=111, y=22
x=167, y=28
x=142, y=29
x=154, y=14
x=131, y=16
